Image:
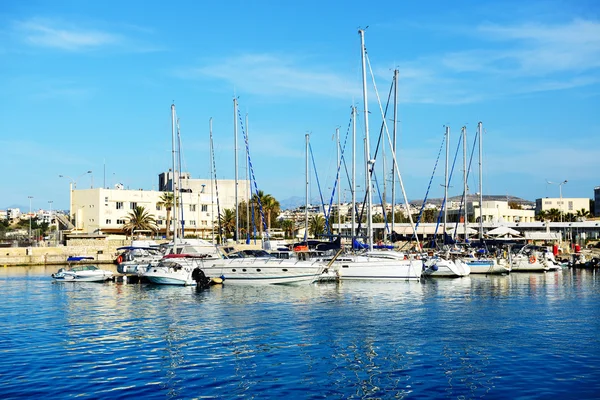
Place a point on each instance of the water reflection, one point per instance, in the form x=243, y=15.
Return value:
x=463, y=338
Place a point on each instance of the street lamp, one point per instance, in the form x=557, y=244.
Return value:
x=560, y=193
x=50, y=222
x=30, y=197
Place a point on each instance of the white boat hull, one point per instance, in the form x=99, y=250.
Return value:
x=487, y=266
x=439, y=267
x=378, y=268
x=96, y=276
x=263, y=271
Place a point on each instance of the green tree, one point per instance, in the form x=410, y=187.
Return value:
x=378, y=218
x=288, y=227
x=271, y=207
x=167, y=201
x=542, y=215
x=554, y=214
x=227, y=220
x=316, y=225
x=140, y=220
x=583, y=214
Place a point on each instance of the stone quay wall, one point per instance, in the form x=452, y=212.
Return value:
x=103, y=251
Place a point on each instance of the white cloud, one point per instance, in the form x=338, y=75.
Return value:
x=47, y=33
x=269, y=74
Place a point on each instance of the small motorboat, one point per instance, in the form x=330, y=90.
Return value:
x=82, y=273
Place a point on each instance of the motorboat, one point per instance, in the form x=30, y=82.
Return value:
x=136, y=260
x=173, y=269
x=385, y=265
x=486, y=265
x=533, y=258
x=82, y=273
x=262, y=268
x=437, y=266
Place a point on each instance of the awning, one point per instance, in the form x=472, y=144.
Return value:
x=542, y=235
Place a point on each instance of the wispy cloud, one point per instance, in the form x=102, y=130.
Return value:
x=514, y=59
x=269, y=74
x=53, y=34
x=66, y=36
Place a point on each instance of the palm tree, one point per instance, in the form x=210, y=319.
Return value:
x=316, y=225
x=570, y=217
x=271, y=206
x=227, y=219
x=377, y=218
x=288, y=227
x=583, y=214
x=167, y=201
x=542, y=215
x=140, y=220
x=554, y=214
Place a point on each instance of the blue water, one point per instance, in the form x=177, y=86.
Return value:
x=518, y=336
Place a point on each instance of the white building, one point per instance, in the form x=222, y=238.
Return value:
x=566, y=205
x=597, y=201
x=107, y=210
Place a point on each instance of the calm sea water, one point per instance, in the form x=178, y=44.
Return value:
x=518, y=336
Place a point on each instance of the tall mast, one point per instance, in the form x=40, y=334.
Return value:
x=339, y=189
x=446, y=181
x=368, y=162
x=479, y=126
x=353, y=188
x=212, y=200
x=466, y=213
x=394, y=144
x=235, y=149
x=173, y=180
x=307, y=181
x=247, y=183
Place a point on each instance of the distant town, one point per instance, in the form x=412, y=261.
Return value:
x=207, y=210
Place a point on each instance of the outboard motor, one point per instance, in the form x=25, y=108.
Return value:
x=201, y=279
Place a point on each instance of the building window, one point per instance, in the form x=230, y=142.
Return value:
x=158, y=208
x=570, y=206
x=192, y=223
x=547, y=203
x=119, y=205
x=159, y=222
x=106, y=199
x=204, y=223
x=132, y=205
x=192, y=207
x=108, y=222
x=204, y=207
x=120, y=222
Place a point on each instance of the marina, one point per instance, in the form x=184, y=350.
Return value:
x=523, y=335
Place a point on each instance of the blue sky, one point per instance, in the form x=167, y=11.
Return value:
x=89, y=85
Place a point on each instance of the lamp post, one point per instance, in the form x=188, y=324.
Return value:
x=50, y=202
x=560, y=194
x=30, y=197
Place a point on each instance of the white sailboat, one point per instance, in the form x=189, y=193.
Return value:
x=441, y=265
x=374, y=264
x=168, y=271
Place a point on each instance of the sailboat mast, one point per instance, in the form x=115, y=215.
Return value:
x=339, y=189
x=247, y=182
x=235, y=149
x=353, y=188
x=306, y=203
x=394, y=150
x=479, y=126
x=464, y=137
x=446, y=181
x=173, y=180
x=212, y=200
x=368, y=162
